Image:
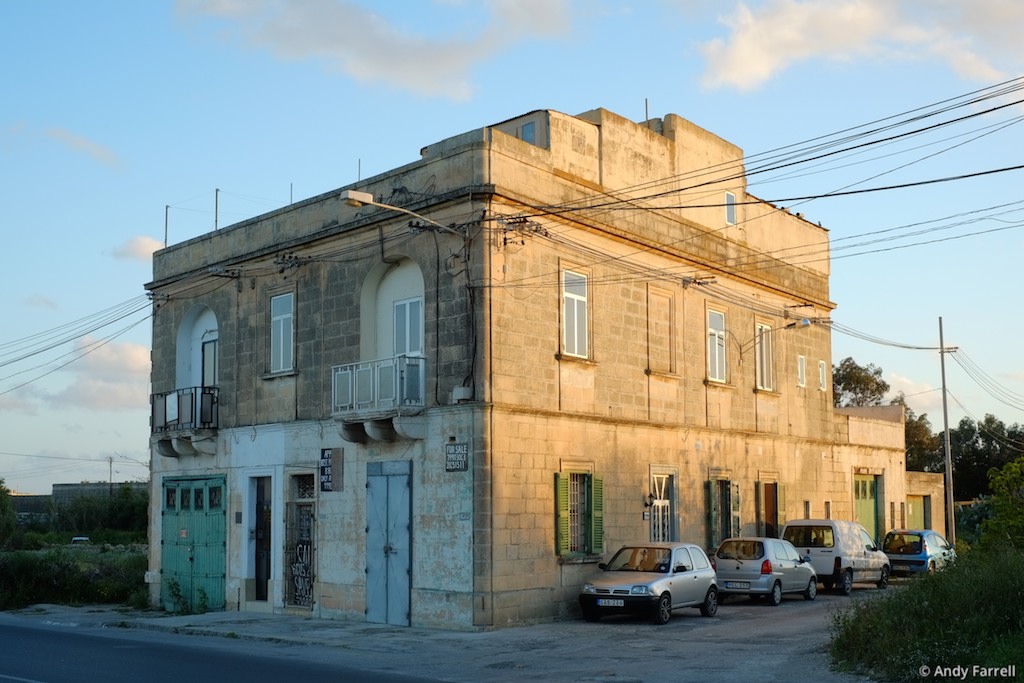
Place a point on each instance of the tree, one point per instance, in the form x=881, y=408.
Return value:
x=8, y=517
x=853, y=385
x=1006, y=525
x=978, y=447
x=924, y=448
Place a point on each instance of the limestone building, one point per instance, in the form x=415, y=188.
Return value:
x=441, y=395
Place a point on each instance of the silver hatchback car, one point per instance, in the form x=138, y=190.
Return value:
x=651, y=579
x=764, y=567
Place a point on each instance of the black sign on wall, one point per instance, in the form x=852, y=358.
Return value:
x=456, y=457
x=331, y=474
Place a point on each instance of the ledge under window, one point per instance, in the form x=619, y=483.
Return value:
x=276, y=375
x=579, y=559
x=574, y=359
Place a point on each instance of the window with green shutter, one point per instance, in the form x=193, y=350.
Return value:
x=579, y=513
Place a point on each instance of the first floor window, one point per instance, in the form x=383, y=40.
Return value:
x=765, y=355
x=716, y=346
x=822, y=375
x=282, y=334
x=579, y=523
x=574, y=314
x=801, y=371
x=730, y=208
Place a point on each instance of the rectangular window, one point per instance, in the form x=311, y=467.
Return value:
x=660, y=332
x=527, y=132
x=579, y=519
x=282, y=333
x=210, y=368
x=765, y=357
x=409, y=327
x=716, y=347
x=822, y=375
x=730, y=208
x=574, y=313
x=801, y=371
x=661, y=507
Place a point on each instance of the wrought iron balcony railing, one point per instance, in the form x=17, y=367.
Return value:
x=190, y=408
x=389, y=385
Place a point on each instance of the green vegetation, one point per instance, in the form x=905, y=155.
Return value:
x=73, y=576
x=968, y=614
x=38, y=564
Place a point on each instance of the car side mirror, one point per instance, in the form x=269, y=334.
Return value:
x=602, y=566
x=806, y=558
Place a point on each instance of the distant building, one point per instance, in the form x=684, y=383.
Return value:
x=440, y=396
x=38, y=508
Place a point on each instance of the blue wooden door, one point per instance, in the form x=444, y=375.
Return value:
x=388, y=547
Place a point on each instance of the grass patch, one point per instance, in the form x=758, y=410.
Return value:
x=970, y=613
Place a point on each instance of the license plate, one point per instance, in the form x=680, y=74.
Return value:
x=609, y=602
x=737, y=584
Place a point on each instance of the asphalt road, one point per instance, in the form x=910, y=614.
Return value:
x=745, y=641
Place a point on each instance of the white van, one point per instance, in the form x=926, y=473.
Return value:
x=842, y=552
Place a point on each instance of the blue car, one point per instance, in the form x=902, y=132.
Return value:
x=917, y=551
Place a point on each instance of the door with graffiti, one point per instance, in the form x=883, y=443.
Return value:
x=299, y=555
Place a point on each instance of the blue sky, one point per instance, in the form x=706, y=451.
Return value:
x=120, y=121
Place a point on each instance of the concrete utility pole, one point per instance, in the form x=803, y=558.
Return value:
x=950, y=515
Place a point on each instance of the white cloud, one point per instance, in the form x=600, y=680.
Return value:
x=971, y=37
x=139, y=248
x=114, y=376
x=362, y=44
x=923, y=398
x=84, y=145
x=40, y=301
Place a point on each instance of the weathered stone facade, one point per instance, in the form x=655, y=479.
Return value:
x=538, y=293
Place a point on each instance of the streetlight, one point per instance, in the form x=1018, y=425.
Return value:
x=356, y=198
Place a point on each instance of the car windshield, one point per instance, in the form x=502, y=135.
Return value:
x=640, y=559
x=902, y=544
x=741, y=550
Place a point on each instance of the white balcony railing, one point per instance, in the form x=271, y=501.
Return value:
x=385, y=385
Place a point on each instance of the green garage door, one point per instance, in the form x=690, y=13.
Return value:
x=193, y=540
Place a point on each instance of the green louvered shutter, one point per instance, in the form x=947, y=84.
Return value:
x=596, y=515
x=711, y=491
x=734, y=505
x=561, y=514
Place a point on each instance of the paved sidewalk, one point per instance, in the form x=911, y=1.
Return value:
x=688, y=648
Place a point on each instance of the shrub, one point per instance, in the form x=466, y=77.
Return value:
x=70, y=576
x=894, y=636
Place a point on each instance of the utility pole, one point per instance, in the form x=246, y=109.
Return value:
x=110, y=477
x=950, y=515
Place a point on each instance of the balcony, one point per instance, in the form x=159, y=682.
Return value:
x=185, y=421
x=371, y=399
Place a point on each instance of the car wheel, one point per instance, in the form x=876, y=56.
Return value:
x=591, y=614
x=883, y=580
x=663, y=610
x=775, y=597
x=710, y=605
x=811, y=591
x=846, y=587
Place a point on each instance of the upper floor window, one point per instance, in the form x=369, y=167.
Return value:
x=409, y=327
x=528, y=132
x=822, y=375
x=574, y=314
x=282, y=332
x=765, y=357
x=730, y=208
x=210, y=363
x=716, y=346
x=801, y=371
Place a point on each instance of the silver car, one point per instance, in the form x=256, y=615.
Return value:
x=764, y=567
x=651, y=579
